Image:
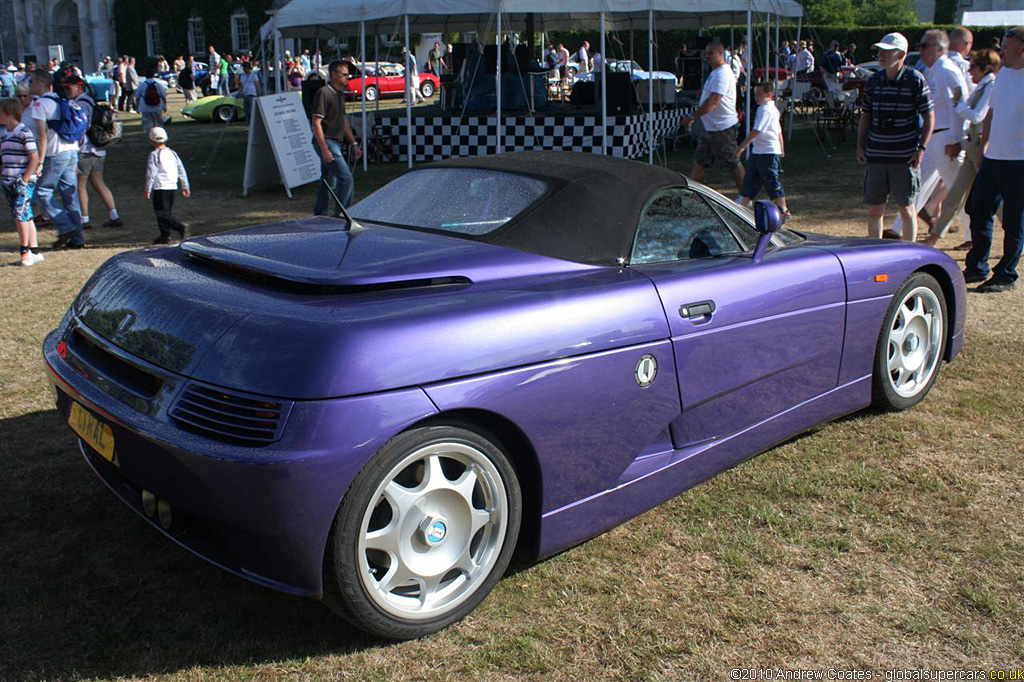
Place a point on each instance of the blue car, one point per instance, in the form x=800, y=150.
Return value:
x=100, y=86
x=513, y=351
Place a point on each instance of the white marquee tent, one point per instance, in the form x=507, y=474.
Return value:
x=329, y=18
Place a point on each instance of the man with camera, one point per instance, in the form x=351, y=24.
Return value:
x=895, y=127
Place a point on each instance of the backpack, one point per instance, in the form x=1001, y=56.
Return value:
x=71, y=122
x=152, y=96
x=105, y=129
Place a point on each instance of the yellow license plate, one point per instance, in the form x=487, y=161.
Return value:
x=92, y=430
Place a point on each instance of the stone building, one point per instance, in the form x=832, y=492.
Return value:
x=83, y=28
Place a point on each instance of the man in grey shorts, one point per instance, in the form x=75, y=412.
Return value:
x=895, y=127
x=717, y=113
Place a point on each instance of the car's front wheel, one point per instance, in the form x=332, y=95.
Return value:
x=371, y=93
x=911, y=344
x=224, y=113
x=424, y=532
x=427, y=88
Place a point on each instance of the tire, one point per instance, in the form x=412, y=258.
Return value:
x=911, y=344
x=224, y=113
x=371, y=93
x=427, y=88
x=423, y=534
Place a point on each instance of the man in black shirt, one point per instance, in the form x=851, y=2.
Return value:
x=330, y=130
x=895, y=125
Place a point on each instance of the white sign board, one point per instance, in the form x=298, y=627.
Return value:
x=280, y=144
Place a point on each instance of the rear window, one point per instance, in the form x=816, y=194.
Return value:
x=466, y=201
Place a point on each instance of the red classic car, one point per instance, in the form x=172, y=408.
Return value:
x=382, y=79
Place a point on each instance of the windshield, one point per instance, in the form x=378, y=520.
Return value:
x=466, y=201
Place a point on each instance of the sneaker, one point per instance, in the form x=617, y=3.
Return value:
x=162, y=239
x=891, y=234
x=973, y=277
x=185, y=232
x=117, y=222
x=43, y=222
x=996, y=285
x=62, y=241
x=964, y=246
x=87, y=226
x=73, y=246
x=37, y=257
x=26, y=259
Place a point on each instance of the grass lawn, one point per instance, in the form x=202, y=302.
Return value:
x=880, y=541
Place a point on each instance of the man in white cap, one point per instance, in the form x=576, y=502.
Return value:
x=895, y=127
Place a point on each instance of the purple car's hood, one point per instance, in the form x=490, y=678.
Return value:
x=321, y=252
x=306, y=310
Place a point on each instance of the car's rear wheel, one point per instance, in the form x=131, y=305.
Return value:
x=371, y=93
x=911, y=344
x=224, y=113
x=424, y=532
x=427, y=88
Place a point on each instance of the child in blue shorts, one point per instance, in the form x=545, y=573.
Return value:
x=20, y=158
x=769, y=148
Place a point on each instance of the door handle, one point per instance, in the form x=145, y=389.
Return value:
x=699, y=309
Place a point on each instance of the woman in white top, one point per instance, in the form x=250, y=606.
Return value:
x=973, y=109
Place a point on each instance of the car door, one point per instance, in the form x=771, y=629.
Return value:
x=751, y=339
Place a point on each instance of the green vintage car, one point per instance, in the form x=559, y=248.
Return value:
x=216, y=108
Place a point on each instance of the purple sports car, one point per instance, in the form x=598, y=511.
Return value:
x=516, y=351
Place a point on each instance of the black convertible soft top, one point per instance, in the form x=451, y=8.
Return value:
x=591, y=210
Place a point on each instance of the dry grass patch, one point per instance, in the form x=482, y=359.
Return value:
x=880, y=540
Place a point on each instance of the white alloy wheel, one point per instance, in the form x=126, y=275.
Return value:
x=424, y=533
x=911, y=344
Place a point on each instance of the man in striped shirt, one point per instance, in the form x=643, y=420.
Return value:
x=895, y=127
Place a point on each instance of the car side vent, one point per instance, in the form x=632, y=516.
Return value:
x=228, y=416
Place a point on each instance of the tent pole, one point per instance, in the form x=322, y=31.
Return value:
x=498, y=83
x=362, y=66
x=376, y=65
x=778, y=20
x=767, y=43
x=408, y=94
x=749, y=55
x=277, y=60
x=792, y=76
x=650, y=86
x=604, y=92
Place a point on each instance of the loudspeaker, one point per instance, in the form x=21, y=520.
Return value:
x=620, y=93
x=491, y=60
x=458, y=56
x=310, y=86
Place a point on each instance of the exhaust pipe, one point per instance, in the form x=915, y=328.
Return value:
x=163, y=508
x=148, y=503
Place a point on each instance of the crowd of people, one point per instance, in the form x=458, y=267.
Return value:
x=941, y=143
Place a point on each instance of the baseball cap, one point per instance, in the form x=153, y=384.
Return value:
x=892, y=41
x=157, y=134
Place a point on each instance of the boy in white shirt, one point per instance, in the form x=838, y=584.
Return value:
x=768, y=149
x=164, y=170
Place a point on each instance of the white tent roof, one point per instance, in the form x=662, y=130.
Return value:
x=325, y=18
x=1006, y=17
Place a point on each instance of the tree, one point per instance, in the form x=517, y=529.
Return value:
x=830, y=12
x=887, y=13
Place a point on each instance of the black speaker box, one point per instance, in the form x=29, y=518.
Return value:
x=620, y=93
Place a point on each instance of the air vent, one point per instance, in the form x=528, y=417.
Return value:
x=229, y=416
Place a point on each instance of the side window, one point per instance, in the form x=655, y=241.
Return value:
x=679, y=225
x=741, y=227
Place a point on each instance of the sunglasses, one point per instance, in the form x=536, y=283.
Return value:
x=1013, y=33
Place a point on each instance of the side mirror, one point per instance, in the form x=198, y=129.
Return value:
x=767, y=217
x=768, y=221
